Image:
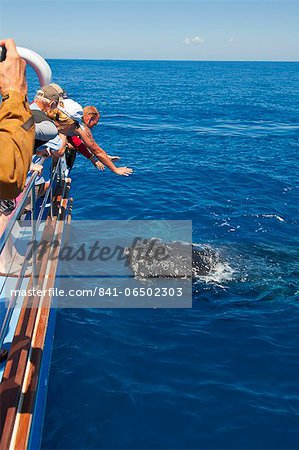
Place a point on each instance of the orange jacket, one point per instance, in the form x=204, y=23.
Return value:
x=16, y=143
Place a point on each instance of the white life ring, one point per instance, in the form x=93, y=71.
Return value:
x=39, y=65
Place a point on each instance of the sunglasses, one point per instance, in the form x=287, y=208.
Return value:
x=52, y=103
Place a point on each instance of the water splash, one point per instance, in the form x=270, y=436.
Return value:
x=219, y=270
x=184, y=260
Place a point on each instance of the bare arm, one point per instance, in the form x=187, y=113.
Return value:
x=90, y=143
x=61, y=151
x=76, y=143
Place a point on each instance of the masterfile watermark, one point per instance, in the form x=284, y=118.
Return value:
x=56, y=250
x=99, y=291
x=110, y=293
x=103, y=264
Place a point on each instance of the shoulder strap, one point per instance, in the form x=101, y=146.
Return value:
x=40, y=116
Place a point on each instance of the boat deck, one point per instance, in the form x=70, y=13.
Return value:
x=28, y=338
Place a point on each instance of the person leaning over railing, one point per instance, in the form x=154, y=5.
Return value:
x=98, y=156
x=91, y=117
x=52, y=150
x=75, y=111
x=16, y=124
x=45, y=101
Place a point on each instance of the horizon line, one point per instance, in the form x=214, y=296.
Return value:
x=177, y=60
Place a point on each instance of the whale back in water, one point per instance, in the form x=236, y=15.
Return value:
x=173, y=260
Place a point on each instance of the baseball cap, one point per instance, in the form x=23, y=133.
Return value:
x=61, y=92
x=73, y=109
x=49, y=92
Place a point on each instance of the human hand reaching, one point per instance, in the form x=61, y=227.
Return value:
x=124, y=171
x=114, y=158
x=99, y=165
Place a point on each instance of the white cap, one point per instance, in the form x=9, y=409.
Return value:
x=72, y=109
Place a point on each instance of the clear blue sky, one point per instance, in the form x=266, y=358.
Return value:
x=150, y=29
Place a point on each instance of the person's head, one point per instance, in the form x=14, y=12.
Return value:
x=47, y=98
x=65, y=124
x=61, y=92
x=68, y=117
x=91, y=116
x=73, y=110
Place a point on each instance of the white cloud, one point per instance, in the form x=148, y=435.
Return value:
x=231, y=39
x=194, y=41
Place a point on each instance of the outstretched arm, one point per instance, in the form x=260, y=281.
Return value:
x=86, y=136
x=80, y=147
x=59, y=153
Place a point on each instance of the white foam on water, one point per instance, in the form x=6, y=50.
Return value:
x=267, y=216
x=273, y=216
x=220, y=272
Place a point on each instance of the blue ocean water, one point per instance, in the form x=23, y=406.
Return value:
x=216, y=143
